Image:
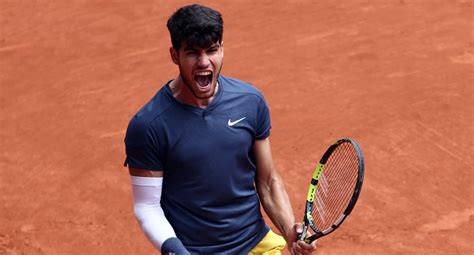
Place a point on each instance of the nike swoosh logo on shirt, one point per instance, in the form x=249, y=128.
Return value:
x=231, y=123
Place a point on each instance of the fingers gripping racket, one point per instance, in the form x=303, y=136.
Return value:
x=334, y=189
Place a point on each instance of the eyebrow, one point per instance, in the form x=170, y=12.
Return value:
x=215, y=46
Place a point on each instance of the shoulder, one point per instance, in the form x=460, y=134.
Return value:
x=147, y=119
x=232, y=85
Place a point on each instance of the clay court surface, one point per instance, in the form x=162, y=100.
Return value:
x=397, y=76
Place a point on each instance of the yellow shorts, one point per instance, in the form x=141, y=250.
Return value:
x=271, y=244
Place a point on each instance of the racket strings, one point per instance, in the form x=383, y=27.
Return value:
x=329, y=208
x=337, y=202
x=347, y=183
x=327, y=205
x=335, y=186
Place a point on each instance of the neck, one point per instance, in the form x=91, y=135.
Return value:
x=183, y=94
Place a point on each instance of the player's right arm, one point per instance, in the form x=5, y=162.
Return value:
x=147, y=189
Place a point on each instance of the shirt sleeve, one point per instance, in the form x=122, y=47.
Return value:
x=263, y=120
x=142, y=146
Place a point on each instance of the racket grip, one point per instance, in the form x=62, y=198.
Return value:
x=302, y=236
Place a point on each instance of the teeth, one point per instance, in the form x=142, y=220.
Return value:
x=203, y=73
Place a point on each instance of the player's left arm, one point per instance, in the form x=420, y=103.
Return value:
x=274, y=198
x=271, y=190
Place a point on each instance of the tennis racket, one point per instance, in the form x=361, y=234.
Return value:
x=334, y=189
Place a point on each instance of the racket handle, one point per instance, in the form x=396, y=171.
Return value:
x=302, y=236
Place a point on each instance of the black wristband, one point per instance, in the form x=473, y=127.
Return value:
x=173, y=246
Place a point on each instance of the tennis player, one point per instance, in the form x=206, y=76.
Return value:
x=199, y=155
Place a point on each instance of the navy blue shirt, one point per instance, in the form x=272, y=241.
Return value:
x=209, y=170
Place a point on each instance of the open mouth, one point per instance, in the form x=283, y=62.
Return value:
x=203, y=79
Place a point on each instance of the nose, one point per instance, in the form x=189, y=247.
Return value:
x=203, y=60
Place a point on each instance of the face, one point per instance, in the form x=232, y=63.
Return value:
x=199, y=68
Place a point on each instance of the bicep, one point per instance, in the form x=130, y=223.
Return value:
x=264, y=161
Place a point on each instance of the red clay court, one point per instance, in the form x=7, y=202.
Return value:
x=395, y=75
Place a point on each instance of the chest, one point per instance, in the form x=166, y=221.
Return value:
x=207, y=138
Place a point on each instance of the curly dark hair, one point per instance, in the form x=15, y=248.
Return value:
x=196, y=25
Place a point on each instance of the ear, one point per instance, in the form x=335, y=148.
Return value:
x=222, y=47
x=174, y=55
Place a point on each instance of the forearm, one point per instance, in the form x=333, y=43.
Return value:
x=277, y=205
x=150, y=215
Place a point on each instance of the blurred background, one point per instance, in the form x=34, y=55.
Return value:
x=395, y=75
